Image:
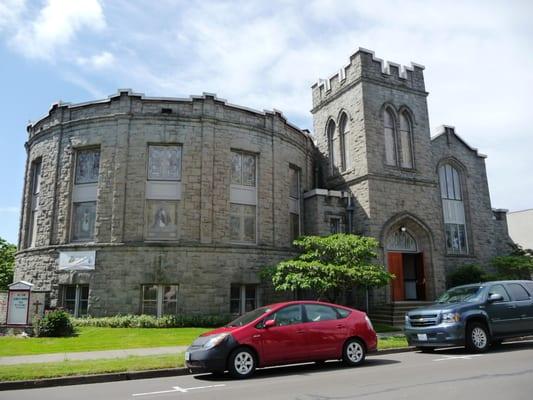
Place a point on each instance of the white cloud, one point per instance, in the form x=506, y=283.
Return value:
x=10, y=12
x=98, y=61
x=55, y=26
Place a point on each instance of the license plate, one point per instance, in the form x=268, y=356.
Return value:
x=187, y=356
x=422, y=336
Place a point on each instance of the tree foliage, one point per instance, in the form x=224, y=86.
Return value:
x=466, y=274
x=330, y=264
x=7, y=263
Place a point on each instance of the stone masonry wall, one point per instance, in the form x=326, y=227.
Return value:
x=122, y=127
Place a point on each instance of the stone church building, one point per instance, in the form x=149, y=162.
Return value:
x=137, y=204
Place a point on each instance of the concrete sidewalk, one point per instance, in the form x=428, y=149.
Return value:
x=90, y=355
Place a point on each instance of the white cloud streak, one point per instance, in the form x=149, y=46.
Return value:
x=56, y=26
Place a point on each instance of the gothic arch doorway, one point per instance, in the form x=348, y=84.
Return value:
x=404, y=244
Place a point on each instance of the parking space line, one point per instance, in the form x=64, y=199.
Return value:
x=176, y=389
x=467, y=357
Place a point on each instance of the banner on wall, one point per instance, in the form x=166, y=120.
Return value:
x=77, y=260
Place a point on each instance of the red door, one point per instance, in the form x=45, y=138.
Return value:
x=395, y=264
x=285, y=342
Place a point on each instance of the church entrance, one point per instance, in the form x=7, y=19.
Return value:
x=406, y=262
x=410, y=279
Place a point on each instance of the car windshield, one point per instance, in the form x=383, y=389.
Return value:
x=460, y=294
x=249, y=316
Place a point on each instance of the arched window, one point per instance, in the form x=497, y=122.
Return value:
x=343, y=130
x=331, y=144
x=401, y=240
x=405, y=140
x=390, y=140
x=453, y=210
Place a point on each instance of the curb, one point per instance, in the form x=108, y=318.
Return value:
x=98, y=378
x=125, y=376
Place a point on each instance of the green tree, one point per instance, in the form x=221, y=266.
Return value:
x=7, y=263
x=517, y=265
x=330, y=264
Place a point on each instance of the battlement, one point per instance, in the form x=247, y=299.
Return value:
x=364, y=64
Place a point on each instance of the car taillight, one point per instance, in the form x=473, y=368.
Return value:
x=369, y=323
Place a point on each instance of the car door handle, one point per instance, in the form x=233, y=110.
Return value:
x=511, y=306
x=300, y=331
x=340, y=326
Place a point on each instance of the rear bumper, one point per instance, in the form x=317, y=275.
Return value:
x=443, y=335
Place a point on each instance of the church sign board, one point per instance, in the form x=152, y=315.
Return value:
x=18, y=303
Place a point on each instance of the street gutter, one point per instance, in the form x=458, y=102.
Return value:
x=125, y=376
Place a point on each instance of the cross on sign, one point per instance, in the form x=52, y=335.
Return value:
x=37, y=303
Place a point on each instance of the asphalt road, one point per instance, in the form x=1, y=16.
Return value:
x=503, y=373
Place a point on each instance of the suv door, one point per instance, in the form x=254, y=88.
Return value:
x=286, y=341
x=501, y=313
x=522, y=301
x=326, y=331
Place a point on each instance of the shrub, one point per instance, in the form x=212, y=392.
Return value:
x=466, y=274
x=149, y=321
x=54, y=324
x=513, y=266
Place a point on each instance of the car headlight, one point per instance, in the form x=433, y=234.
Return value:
x=215, y=340
x=406, y=318
x=451, y=317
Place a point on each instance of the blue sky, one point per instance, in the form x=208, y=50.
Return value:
x=478, y=57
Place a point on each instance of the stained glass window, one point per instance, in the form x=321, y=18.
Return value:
x=87, y=166
x=453, y=210
x=401, y=241
x=343, y=130
x=164, y=163
x=243, y=168
x=242, y=223
x=405, y=140
x=161, y=220
x=390, y=141
x=84, y=216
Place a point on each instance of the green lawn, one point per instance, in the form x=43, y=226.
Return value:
x=88, y=367
x=382, y=328
x=93, y=339
x=392, y=342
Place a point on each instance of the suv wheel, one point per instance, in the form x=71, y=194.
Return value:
x=477, y=337
x=354, y=352
x=242, y=363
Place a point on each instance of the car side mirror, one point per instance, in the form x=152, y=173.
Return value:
x=269, y=324
x=495, y=297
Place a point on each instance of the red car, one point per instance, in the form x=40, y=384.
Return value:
x=284, y=333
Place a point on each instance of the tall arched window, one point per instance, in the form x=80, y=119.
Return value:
x=390, y=140
x=405, y=140
x=331, y=146
x=453, y=210
x=343, y=131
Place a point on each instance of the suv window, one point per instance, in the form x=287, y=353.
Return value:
x=289, y=315
x=318, y=312
x=518, y=293
x=530, y=287
x=499, y=289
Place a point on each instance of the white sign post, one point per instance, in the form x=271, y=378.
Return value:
x=18, y=303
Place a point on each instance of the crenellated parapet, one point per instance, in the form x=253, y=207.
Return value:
x=364, y=65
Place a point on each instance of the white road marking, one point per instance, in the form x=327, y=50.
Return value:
x=177, y=389
x=468, y=357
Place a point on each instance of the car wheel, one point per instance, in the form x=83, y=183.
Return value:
x=426, y=349
x=477, y=337
x=354, y=352
x=242, y=363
